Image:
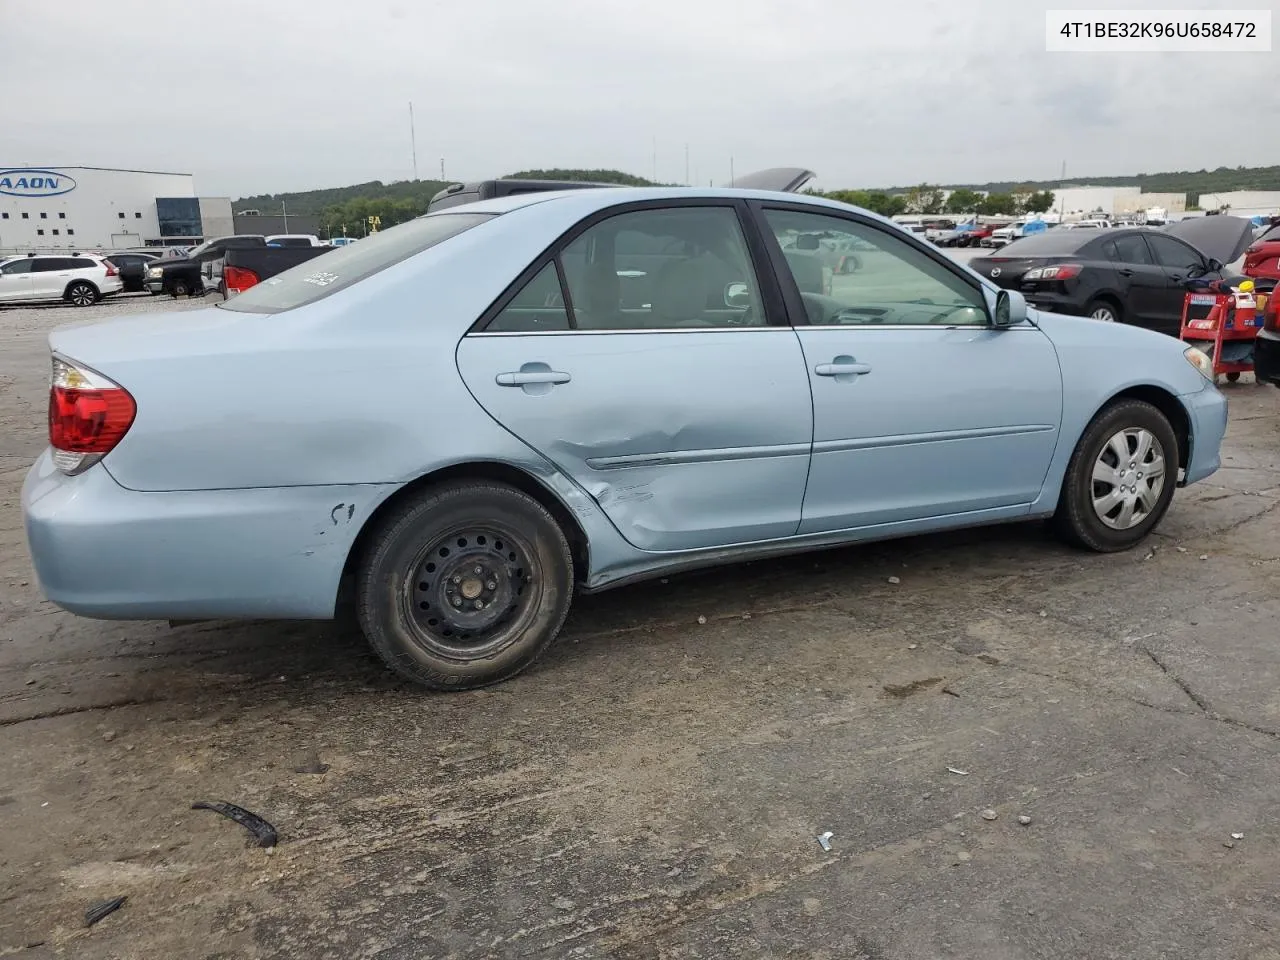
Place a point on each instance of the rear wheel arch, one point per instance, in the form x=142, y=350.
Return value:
x=66, y=291
x=1112, y=300
x=488, y=471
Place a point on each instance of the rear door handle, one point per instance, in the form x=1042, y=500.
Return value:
x=1125, y=273
x=842, y=367
x=525, y=377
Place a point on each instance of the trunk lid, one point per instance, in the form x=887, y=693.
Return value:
x=1224, y=238
x=1007, y=272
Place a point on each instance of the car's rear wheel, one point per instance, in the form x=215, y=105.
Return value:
x=464, y=585
x=82, y=294
x=1103, y=310
x=1120, y=479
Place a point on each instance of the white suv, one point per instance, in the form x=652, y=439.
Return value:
x=79, y=278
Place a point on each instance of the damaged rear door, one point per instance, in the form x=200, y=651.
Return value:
x=684, y=410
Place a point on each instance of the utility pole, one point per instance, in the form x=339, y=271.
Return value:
x=655, y=160
x=442, y=168
x=286, y=216
x=731, y=170
x=413, y=140
x=687, y=181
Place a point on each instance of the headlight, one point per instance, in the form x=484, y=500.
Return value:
x=155, y=271
x=1200, y=360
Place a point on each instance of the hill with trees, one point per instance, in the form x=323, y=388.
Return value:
x=347, y=209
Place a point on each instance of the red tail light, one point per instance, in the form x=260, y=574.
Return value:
x=1271, y=313
x=1060, y=271
x=111, y=268
x=88, y=416
x=238, y=279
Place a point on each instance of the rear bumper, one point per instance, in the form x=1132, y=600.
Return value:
x=1054, y=302
x=1207, y=412
x=102, y=551
x=1266, y=357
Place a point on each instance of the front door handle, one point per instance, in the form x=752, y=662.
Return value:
x=1125, y=273
x=524, y=378
x=842, y=366
x=536, y=379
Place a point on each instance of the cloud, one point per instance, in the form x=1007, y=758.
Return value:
x=295, y=94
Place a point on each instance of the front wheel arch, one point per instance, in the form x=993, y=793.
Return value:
x=493, y=471
x=1164, y=401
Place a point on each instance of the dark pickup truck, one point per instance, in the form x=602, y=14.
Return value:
x=187, y=276
x=242, y=268
x=226, y=266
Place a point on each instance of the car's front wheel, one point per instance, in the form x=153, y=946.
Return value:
x=464, y=585
x=1120, y=479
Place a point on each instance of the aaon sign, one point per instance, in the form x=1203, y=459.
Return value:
x=35, y=183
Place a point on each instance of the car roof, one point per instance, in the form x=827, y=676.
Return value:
x=589, y=201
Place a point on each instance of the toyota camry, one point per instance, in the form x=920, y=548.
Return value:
x=469, y=417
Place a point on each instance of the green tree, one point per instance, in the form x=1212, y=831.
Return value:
x=924, y=199
x=1038, y=202
x=963, y=200
x=997, y=204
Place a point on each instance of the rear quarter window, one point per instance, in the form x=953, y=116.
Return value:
x=342, y=267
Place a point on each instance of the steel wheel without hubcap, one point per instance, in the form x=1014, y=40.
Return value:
x=471, y=592
x=464, y=584
x=82, y=295
x=1128, y=478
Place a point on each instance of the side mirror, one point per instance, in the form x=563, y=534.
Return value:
x=807, y=241
x=1215, y=265
x=1011, y=309
x=737, y=295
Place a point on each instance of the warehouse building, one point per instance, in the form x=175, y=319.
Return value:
x=47, y=209
x=1243, y=203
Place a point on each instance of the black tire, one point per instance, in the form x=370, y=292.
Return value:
x=1101, y=304
x=1233, y=376
x=416, y=580
x=81, y=294
x=1076, y=520
x=179, y=288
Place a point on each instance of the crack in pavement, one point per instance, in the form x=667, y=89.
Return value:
x=1201, y=702
x=68, y=711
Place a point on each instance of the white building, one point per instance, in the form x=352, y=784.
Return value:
x=1243, y=203
x=92, y=208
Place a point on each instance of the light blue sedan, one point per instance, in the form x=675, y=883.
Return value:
x=470, y=416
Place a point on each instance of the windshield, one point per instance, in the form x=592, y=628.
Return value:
x=346, y=265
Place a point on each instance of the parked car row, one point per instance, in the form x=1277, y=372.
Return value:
x=1137, y=276
x=82, y=279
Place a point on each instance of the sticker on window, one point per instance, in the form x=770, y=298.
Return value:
x=321, y=279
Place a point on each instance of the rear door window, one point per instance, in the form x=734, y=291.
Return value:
x=344, y=266
x=1130, y=249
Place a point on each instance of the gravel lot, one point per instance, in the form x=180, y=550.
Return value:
x=655, y=788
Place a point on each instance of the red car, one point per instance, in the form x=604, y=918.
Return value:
x=1262, y=259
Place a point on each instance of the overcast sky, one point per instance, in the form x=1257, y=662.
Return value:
x=257, y=96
